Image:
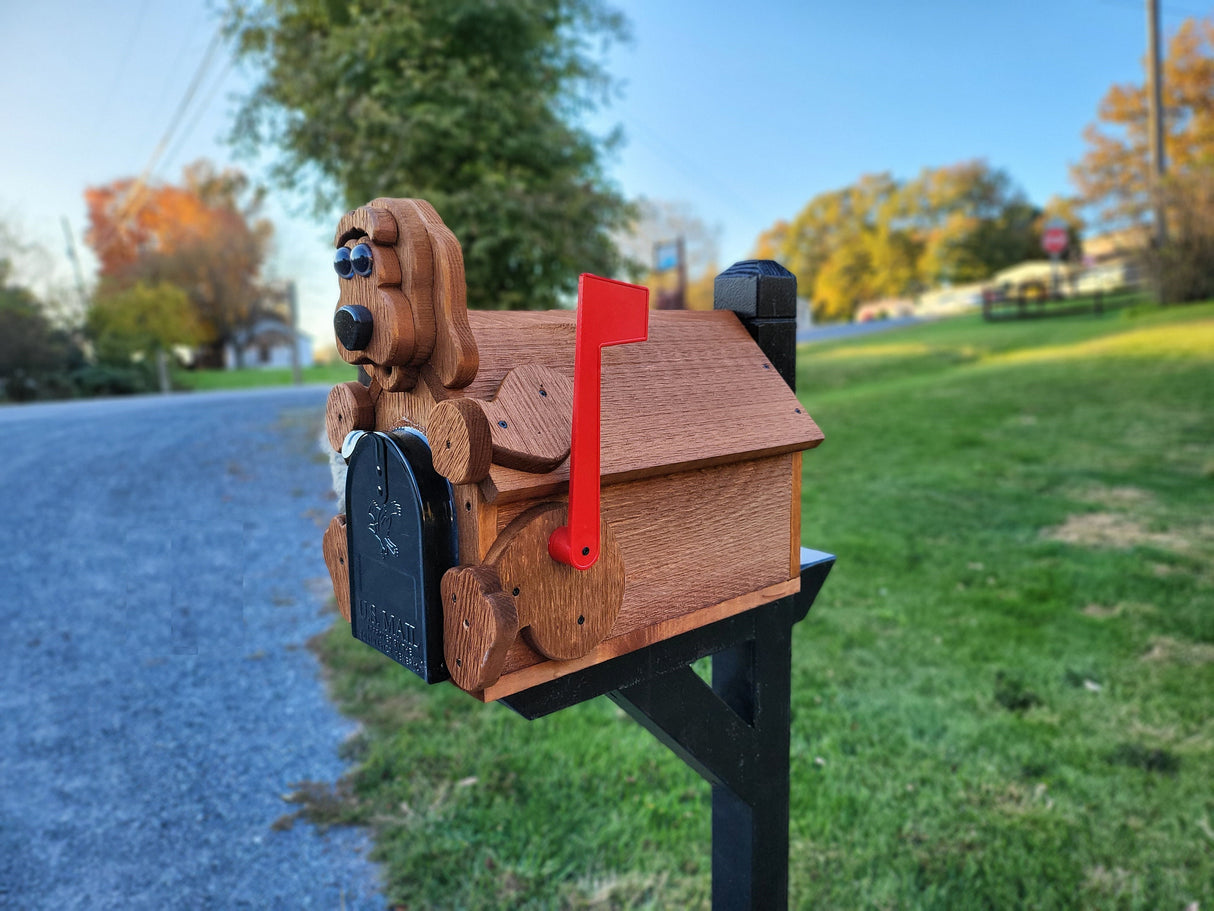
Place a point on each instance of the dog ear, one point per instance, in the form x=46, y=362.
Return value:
x=454, y=358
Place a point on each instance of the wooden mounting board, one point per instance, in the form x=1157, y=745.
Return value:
x=698, y=393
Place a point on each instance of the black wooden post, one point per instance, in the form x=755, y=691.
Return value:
x=764, y=296
x=750, y=830
x=733, y=733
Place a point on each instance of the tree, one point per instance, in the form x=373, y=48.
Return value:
x=974, y=220
x=1185, y=266
x=881, y=237
x=472, y=105
x=144, y=319
x=35, y=356
x=203, y=237
x=1114, y=175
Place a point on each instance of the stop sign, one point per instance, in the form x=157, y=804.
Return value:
x=1054, y=239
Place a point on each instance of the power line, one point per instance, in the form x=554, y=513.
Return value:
x=199, y=111
x=136, y=188
x=707, y=182
x=123, y=60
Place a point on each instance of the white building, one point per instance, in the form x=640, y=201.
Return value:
x=267, y=344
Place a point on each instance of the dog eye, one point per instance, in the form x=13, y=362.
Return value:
x=360, y=259
x=341, y=263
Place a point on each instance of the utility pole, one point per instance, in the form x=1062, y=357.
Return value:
x=72, y=256
x=1155, y=108
x=296, y=372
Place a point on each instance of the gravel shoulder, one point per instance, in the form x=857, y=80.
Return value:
x=160, y=574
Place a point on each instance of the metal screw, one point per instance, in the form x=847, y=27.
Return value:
x=501, y=424
x=544, y=393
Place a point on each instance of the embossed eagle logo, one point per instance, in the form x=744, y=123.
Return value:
x=381, y=524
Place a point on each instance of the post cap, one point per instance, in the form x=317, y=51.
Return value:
x=757, y=288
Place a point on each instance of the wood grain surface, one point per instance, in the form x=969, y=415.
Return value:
x=349, y=407
x=544, y=671
x=415, y=250
x=794, y=560
x=479, y=623
x=412, y=406
x=698, y=393
x=383, y=292
x=391, y=378
x=334, y=547
x=454, y=357
x=563, y=612
x=476, y=523
x=368, y=221
x=691, y=541
x=531, y=419
x=460, y=440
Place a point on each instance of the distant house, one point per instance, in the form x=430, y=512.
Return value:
x=1116, y=246
x=267, y=344
x=949, y=300
x=1110, y=261
x=889, y=308
x=1114, y=260
x=1032, y=271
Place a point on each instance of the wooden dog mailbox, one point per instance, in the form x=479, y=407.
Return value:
x=532, y=493
x=547, y=507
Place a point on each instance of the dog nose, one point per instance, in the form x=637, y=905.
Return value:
x=353, y=325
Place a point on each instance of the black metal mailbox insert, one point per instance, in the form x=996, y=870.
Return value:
x=401, y=538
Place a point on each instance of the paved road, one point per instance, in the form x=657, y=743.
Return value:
x=160, y=572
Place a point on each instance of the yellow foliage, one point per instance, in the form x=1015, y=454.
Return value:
x=142, y=319
x=882, y=238
x=1114, y=174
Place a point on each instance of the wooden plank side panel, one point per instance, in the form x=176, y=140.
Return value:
x=795, y=511
x=699, y=537
x=691, y=541
x=698, y=393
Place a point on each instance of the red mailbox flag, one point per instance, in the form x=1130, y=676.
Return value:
x=608, y=313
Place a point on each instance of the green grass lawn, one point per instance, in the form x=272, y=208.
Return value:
x=1003, y=697
x=248, y=377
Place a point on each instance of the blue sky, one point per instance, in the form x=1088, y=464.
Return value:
x=743, y=111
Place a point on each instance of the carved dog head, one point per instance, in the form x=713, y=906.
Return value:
x=402, y=301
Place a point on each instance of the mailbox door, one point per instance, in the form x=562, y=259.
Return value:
x=401, y=538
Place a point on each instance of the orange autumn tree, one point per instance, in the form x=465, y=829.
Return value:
x=203, y=236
